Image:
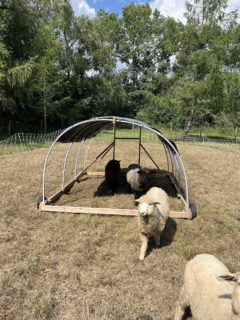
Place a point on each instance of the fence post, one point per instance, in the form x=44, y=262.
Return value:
x=235, y=133
x=20, y=140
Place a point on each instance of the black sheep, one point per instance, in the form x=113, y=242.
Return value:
x=112, y=174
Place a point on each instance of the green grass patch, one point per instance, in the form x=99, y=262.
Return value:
x=16, y=148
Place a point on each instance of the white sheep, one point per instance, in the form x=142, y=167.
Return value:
x=153, y=213
x=207, y=290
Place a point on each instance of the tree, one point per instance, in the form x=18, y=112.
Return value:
x=18, y=27
x=45, y=47
x=198, y=62
x=147, y=41
x=56, y=68
x=232, y=98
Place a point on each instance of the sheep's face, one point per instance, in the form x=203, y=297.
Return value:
x=145, y=208
x=146, y=205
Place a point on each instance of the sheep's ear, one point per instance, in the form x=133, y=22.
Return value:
x=156, y=202
x=230, y=278
x=136, y=201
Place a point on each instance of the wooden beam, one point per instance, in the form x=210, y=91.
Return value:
x=123, y=172
x=71, y=183
x=95, y=173
x=89, y=210
x=107, y=211
x=148, y=154
x=181, y=214
x=106, y=150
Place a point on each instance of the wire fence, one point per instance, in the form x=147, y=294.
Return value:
x=206, y=139
x=28, y=141
x=149, y=137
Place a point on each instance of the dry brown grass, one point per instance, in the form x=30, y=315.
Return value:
x=57, y=266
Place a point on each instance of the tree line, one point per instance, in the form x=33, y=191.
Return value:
x=57, y=68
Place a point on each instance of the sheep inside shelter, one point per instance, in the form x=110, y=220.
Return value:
x=73, y=173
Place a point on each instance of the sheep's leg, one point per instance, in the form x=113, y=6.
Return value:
x=144, y=246
x=157, y=238
x=182, y=304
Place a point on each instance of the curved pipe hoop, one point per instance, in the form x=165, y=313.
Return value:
x=126, y=121
x=64, y=165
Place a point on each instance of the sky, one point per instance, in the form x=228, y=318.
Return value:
x=172, y=8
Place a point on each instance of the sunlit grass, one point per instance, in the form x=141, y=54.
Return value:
x=63, y=266
x=16, y=148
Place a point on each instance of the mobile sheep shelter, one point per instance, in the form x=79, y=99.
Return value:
x=80, y=137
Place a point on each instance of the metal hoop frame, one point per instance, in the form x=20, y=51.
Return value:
x=90, y=128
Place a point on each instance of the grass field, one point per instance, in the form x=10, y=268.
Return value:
x=59, y=266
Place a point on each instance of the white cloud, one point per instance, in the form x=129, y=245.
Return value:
x=86, y=10
x=82, y=7
x=172, y=8
x=233, y=4
x=176, y=8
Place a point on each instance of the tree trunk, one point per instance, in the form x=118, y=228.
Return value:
x=9, y=127
x=188, y=125
x=44, y=105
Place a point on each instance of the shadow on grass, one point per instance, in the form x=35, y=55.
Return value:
x=103, y=189
x=162, y=182
x=187, y=314
x=144, y=317
x=167, y=236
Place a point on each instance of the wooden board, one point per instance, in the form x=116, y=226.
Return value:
x=123, y=172
x=107, y=211
x=89, y=210
x=70, y=184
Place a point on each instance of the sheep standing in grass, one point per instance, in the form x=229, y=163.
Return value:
x=137, y=179
x=112, y=174
x=153, y=213
x=207, y=290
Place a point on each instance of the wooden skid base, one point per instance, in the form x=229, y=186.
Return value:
x=123, y=172
x=107, y=211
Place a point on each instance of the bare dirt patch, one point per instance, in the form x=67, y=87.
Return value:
x=57, y=266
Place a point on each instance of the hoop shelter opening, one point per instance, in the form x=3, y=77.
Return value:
x=73, y=173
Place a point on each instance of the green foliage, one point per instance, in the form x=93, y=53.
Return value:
x=18, y=75
x=56, y=69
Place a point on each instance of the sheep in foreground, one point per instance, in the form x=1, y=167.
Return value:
x=112, y=174
x=153, y=213
x=137, y=179
x=207, y=290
